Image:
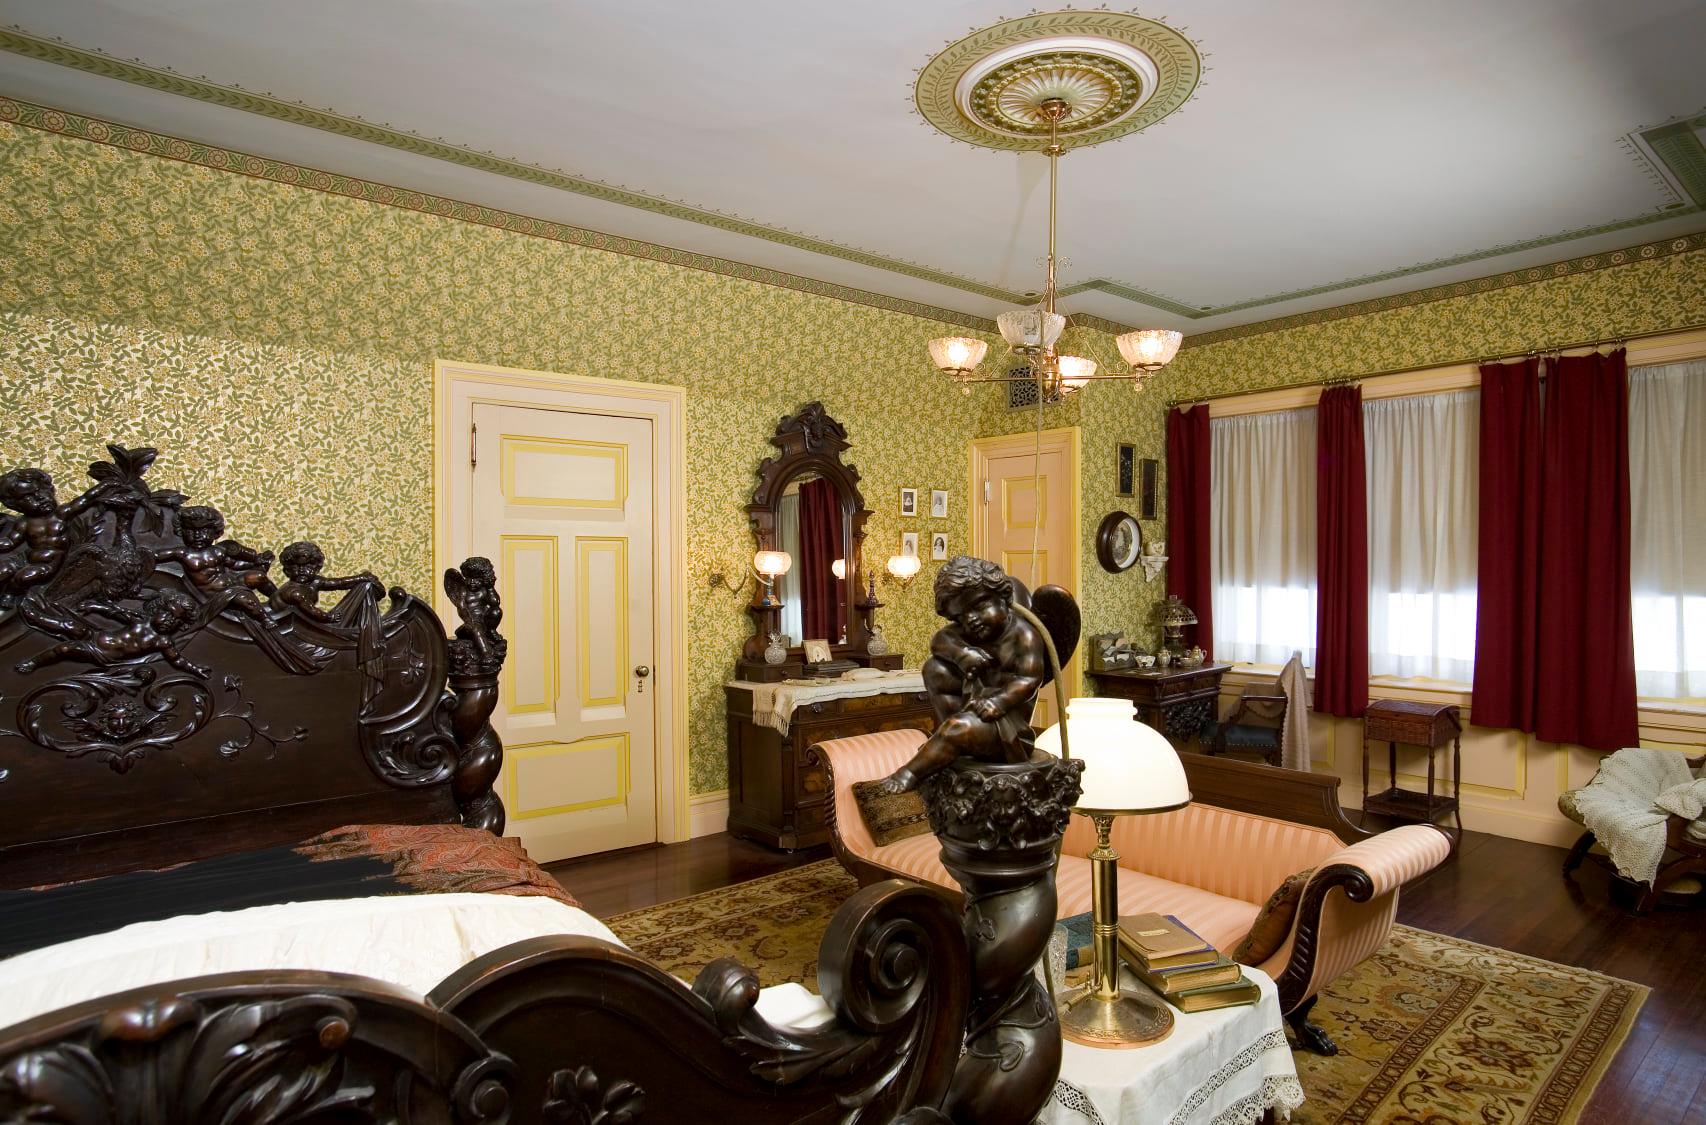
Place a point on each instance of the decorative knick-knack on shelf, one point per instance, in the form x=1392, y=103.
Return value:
x=775, y=652
x=877, y=645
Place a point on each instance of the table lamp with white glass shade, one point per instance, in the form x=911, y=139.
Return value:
x=1129, y=769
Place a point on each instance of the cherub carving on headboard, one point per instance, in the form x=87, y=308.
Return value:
x=302, y=563
x=159, y=628
x=478, y=648
x=38, y=542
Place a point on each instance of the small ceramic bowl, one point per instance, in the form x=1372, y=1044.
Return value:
x=1146, y=661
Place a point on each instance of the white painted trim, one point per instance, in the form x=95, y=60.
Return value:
x=709, y=813
x=457, y=386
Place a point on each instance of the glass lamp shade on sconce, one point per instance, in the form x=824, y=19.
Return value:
x=838, y=568
x=904, y=568
x=771, y=565
x=1149, y=349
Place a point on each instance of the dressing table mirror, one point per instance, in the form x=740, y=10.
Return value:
x=807, y=505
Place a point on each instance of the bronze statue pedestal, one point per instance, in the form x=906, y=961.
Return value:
x=1000, y=826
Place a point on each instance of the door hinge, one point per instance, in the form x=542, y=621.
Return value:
x=473, y=445
x=986, y=490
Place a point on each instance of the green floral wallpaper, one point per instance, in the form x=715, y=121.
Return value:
x=272, y=329
x=277, y=343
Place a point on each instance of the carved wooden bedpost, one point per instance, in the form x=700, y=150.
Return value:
x=1000, y=825
x=999, y=807
x=476, y=657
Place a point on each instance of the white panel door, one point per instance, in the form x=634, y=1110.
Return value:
x=563, y=507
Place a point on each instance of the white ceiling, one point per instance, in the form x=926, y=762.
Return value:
x=1331, y=140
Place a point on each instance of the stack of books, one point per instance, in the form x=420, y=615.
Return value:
x=1176, y=962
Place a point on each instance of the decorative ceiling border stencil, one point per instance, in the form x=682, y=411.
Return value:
x=80, y=127
x=1674, y=144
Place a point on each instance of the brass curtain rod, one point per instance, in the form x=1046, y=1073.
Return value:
x=1342, y=380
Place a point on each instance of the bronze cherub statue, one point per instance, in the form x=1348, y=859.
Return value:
x=985, y=668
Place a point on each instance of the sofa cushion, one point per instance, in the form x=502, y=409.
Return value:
x=1268, y=932
x=890, y=816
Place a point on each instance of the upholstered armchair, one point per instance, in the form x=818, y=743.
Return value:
x=1213, y=866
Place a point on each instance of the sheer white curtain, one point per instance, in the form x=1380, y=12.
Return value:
x=1667, y=489
x=1262, y=536
x=1422, y=454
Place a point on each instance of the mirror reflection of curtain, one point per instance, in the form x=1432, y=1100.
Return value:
x=823, y=612
x=788, y=585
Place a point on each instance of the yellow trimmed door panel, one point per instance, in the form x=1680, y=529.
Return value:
x=1024, y=522
x=563, y=507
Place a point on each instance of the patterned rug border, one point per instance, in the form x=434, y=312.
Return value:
x=773, y=877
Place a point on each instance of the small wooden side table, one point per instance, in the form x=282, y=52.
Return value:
x=1419, y=724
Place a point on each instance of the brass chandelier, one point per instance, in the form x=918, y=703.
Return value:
x=1033, y=332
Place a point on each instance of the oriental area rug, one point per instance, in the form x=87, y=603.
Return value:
x=1431, y=1029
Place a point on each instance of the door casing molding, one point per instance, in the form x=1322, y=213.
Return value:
x=457, y=386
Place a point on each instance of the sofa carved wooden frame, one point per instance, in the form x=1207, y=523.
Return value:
x=1303, y=798
x=162, y=699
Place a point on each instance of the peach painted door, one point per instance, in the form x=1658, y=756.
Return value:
x=1026, y=518
x=563, y=507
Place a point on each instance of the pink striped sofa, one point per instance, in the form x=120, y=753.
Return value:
x=1214, y=867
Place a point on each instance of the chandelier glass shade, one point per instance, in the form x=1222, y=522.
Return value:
x=1033, y=332
x=1149, y=349
x=957, y=355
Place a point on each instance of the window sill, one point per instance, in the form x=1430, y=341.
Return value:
x=1650, y=708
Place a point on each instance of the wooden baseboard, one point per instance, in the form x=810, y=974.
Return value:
x=707, y=814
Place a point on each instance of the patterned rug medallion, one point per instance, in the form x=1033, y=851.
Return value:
x=1431, y=1030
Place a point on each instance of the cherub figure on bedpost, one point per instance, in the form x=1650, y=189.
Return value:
x=476, y=657
x=999, y=807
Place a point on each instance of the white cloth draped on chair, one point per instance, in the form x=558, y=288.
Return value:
x=1294, y=732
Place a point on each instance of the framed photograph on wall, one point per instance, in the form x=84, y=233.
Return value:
x=1125, y=469
x=939, y=545
x=909, y=543
x=938, y=503
x=1148, y=472
x=909, y=502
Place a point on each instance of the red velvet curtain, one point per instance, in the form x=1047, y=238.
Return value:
x=1586, y=645
x=1341, y=555
x=823, y=612
x=1188, y=518
x=1507, y=616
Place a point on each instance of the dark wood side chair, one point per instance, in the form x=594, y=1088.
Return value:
x=1253, y=727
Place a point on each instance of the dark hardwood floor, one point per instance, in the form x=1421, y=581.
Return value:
x=1496, y=891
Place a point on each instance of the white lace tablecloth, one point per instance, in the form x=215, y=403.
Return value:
x=1227, y=1067
x=774, y=704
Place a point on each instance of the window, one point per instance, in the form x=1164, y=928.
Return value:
x=1667, y=487
x=1262, y=536
x=1422, y=454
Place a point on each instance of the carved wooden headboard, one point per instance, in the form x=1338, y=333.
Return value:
x=163, y=699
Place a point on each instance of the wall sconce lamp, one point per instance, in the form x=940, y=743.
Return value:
x=767, y=566
x=904, y=568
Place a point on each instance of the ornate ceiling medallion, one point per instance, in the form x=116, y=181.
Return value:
x=1116, y=73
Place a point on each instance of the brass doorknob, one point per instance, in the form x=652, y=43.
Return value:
x=642, y=671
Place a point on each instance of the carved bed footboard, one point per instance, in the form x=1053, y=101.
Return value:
x=558, y=1030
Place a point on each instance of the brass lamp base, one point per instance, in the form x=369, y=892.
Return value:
x=1131, y=1018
